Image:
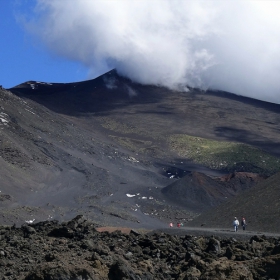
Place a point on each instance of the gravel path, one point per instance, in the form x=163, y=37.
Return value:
x=221, y=232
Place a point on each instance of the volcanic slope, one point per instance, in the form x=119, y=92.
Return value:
x=106, y=147
x=201, y=192
x=53, y=167
x=259, y=205
x=212, y=129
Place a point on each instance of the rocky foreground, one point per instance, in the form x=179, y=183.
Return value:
x=76, y=250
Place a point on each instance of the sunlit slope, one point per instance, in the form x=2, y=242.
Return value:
x=222, y=155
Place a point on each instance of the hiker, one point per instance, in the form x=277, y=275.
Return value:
x=170, y=224
x=243, y=223
x=235, y=224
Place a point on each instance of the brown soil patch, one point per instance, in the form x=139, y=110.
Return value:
x=112, y=229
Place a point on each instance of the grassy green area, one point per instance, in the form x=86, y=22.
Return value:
x=224, y=155
x=132, y=144
x=117, y=126
x=145, y=129
x=139, y=146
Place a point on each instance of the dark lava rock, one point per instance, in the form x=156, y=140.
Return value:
x=77, y=251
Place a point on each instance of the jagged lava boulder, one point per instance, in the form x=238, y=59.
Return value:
x=76, y=250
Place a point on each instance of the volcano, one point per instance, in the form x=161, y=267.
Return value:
x=125, y=154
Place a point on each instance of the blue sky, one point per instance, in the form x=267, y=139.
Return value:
x=23, y=58
x=196, y=43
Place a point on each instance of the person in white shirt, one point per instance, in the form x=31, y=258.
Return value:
x=235, y=224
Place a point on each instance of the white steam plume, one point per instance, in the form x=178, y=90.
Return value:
x=227, y=45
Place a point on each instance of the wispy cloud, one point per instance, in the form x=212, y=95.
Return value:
x=226, y=45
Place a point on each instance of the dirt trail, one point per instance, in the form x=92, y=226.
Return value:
x=222, y=232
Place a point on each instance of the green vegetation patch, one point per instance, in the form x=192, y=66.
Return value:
x=132, y=144
x=139, y=146
x=117, y=126
x=224, y=155
x=121, y=127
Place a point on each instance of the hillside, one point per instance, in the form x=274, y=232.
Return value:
x=259, y=205
x=106, y=148
x=201, y=192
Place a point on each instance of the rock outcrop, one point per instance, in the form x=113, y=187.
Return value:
x=76, y=250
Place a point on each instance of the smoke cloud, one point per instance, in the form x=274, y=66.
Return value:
x=226, y=45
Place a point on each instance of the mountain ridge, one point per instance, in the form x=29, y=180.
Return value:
x=105, y=148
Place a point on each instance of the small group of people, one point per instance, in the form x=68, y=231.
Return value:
x=178, y=224
x=236, y=224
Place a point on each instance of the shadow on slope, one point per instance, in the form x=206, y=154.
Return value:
x=99, y=95
x=199, y=192
x=195, y=191
x=242, y=135
x=259, y=205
